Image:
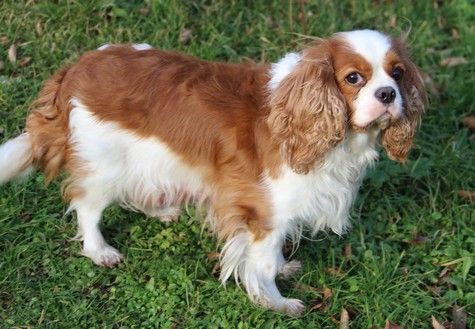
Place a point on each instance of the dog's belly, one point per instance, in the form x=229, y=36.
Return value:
x=141, y=173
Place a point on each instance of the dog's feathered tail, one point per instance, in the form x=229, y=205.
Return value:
x=15, y=157
x=44, y=143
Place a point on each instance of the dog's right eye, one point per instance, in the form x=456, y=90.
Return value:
x=397, y=73
x=354, y=78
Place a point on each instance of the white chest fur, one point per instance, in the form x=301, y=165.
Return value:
x=323, y=198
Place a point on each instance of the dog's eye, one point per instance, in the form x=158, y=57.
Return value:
x=354, y=78
x=397, y=73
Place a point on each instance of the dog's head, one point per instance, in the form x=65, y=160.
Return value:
x=352, y=80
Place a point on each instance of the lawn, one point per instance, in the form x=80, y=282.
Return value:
x=409, y=256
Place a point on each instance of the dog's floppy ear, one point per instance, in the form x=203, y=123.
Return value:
x=308, y=112
x=397, y=138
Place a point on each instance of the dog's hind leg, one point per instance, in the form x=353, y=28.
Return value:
x=89, y=207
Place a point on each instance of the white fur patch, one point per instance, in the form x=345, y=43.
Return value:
x=282, y=68
x=142, y=46
x=104, y=46
x=15, y=155
x=322, y=198
x=372, y=45
x=255, y=264
x=136, y=46
x=141, y=173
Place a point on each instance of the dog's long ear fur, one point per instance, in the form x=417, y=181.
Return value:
x=397, y=138
x=308, y=112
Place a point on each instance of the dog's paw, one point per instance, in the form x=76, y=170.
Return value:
x=290, y=268
x=290, y=306
x=293, y=306
x=107, y=256
x=166, y=215
x=167, y=219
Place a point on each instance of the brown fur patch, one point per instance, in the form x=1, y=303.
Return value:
x=308, y=112
x=47, y=125
x=210, y=114
x=397, y=138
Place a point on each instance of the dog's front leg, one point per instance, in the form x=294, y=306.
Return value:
x=255, y=262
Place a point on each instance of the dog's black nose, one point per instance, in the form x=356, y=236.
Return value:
x=385, y=95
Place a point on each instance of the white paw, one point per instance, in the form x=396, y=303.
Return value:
x=290, y=268
x=106, y=256
x=166, y=215
x=169, y=218
x=292, y=306
x=289, y=306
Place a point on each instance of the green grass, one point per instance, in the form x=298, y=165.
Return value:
x=166, y=280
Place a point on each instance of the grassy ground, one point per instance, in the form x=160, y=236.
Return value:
x=413, y=239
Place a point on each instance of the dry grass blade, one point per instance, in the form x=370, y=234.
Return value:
x=467, y=195
x=39, y=29
x=306, y=288
x=441, y=22
x=334, y=271
x=185, y=35
x=144, y=11
x=12, y=54
x=453, y=61
x=443, y=275
x=216, y=270
x=24, y=61
x=418, y=240
x=390, y=325
x=213, y=255
x=327, y=293
x=320, y=303
x=344, y=319
x=455, y=34
x=431, y=86
x=436, y=324
x=460, y=317
x=469, y=122
x=347, y=252
x=392, y=21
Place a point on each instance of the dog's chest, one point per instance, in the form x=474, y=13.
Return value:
x=323, y=197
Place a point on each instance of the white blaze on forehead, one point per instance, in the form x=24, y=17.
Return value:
x=372, y=45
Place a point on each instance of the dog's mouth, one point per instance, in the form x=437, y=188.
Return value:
x=383, y=121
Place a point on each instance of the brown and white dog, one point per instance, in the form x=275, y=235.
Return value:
x=267, y=148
